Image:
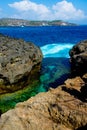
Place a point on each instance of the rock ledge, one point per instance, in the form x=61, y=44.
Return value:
x=58, y=109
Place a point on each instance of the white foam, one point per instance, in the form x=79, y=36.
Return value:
x=56, y=50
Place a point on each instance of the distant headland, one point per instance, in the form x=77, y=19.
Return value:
x=22, y=22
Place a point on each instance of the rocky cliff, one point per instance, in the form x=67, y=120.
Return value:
x=63, y=108
x=19, y=62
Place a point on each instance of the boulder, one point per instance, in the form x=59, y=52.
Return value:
x=78, y=58
x=19, y=63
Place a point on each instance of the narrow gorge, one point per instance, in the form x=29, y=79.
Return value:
x=62, y=108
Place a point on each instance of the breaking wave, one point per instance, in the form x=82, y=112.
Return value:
x=56, y=50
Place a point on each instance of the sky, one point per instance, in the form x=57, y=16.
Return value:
x=74, y=11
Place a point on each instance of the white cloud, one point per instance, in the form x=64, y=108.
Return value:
x=61, y=10
x=66, y=10
x=39, y=10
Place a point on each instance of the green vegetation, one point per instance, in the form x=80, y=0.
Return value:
x=22, y=22
x=9, y=100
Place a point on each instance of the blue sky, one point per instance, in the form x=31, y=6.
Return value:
x=68, y=10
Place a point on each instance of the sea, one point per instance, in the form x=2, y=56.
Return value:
x=55, y=43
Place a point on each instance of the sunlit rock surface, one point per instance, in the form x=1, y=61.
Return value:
x=63, y=108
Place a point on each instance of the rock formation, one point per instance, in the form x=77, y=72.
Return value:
x=58, y=109
x=63, y=108
x=78, y=56
x=19, y=62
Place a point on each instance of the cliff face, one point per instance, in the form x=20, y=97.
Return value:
x=19, y=62
x=63, y=108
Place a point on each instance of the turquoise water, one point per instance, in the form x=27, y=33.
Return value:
x=54, y=71
x=56, y=50
x=55, y=43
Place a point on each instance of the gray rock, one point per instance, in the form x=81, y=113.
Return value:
x=78, y=57
x=17, y=60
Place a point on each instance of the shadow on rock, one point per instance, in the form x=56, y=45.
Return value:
x=82, y=128
x=77, y=94
x=84, y=92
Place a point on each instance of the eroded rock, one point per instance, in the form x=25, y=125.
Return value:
x=78, y=58
x=19, y=61
x=57, y=109
x=63, y=108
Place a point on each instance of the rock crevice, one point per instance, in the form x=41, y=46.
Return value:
x=62, y=108
x=56, y=109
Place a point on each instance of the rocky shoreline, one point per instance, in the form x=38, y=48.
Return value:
x=20, y=63
x=63, y=108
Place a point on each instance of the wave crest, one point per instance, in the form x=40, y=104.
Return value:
x=56, y=50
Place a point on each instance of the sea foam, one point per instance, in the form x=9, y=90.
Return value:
x=56, y=50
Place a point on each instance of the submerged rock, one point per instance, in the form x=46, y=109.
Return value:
x=78, y=58
x=19, y=63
